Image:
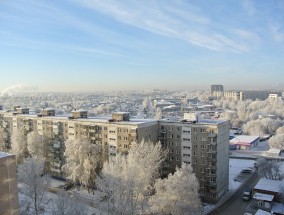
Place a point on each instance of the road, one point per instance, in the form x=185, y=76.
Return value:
x=235, y=205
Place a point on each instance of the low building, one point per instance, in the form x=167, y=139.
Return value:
x=264, y=201
x=9, y=202
x=262, y=212
x=269, y=187
x=244, y=142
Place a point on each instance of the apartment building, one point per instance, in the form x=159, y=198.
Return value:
x=9, y=203
x=217, y=88
x=204, y=144
x=115, y=134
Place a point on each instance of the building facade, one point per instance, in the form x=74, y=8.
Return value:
x=9, y=202
x=203, y=144
x=217, y=88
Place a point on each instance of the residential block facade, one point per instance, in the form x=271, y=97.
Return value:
x=203, y=144
x=9, y=202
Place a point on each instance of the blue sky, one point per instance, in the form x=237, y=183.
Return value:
x=84, y=45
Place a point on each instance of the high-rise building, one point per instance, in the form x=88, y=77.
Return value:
x=9, y=202
x=217, y=89
x=203, y=144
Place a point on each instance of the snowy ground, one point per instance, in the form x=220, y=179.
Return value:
x=235, y=176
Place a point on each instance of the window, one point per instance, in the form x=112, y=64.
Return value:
x=202, y=130
x=195, y=161
x=186, y=139
x=194, y=129
x=202, y=154
x=194, y=153
x=186, y=155
x=203, y=139
x=260, y=204
x=203, y=146
x=177, y=151
x=186, y=147
x=194, y=138
x=177, y=159
x=171, y=150
x=178, y=136
x=126, y=146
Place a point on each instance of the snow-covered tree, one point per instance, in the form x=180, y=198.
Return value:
x=262, y=126
x=19, y=144
x=177, y=194
x=127, y=179
x=269, y=169
x=158, y=114
x=3, y=140
x=64, y=204
x=83, y=161
x=34, y=184
x=35, y=144
x=277, y=141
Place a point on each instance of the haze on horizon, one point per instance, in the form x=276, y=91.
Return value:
x=85, y=45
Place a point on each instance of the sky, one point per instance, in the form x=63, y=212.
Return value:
x=90, y=45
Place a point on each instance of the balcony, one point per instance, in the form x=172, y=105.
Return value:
x=211, y=184
x=162, y=131
x=213, y=151
x=133, y=134
x=211, y=167
x=212, y=134
x=211, y=175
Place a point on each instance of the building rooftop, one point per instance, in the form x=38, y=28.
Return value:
x=269, y=185
x=262, y=212
x=243, y=139
x=4, y=154
x=263, y=197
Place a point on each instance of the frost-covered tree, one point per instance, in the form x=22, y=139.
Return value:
x=19, y=144
x=34, y=185
x=127, y=179
x=35, y=144
x=277, y=141
x=177, y=194
x=3, y=140
x=262, y=126
x=83, y=161
x=269, y=169
x=158, y=114
x=64, y=204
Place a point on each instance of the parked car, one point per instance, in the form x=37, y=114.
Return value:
x=247, y=194
x=246, y=170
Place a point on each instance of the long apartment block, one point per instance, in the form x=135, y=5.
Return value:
x=201, y=143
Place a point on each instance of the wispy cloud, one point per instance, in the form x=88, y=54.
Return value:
x=277, y=32
x=172, y=21
x=249, y=7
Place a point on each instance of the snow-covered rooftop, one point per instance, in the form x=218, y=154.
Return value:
x=263, y=197
x=243, y=139
x=262, y=212
x=4, y=154
x=269, y=185
x=277, y=207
